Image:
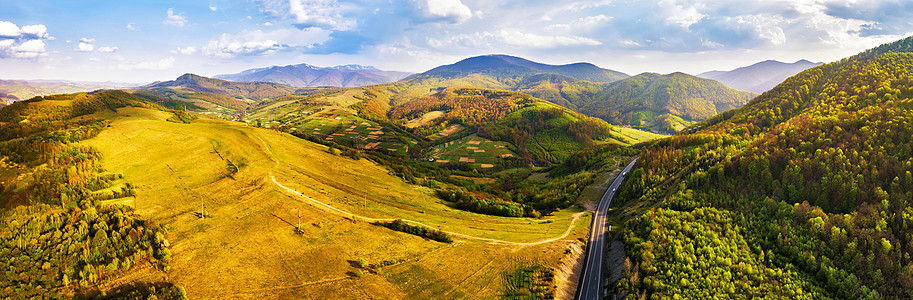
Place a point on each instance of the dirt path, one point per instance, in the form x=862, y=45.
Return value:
x=338, y=211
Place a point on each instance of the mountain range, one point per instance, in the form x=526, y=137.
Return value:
x=305, y=75
x=654, y=102
x=759, y=77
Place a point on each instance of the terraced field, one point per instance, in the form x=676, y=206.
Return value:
x=476, y=151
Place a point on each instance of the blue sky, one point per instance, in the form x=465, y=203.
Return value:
x=143, y=41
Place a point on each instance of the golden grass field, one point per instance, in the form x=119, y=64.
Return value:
x=246, y=247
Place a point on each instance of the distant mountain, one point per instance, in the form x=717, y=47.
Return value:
x=505, y=66
x=305, y=75
x=14, y=90
x=661, y=103
x=759, y=77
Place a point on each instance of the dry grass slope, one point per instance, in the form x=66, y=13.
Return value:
x=246, y=246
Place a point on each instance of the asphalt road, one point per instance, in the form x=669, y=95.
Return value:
x=590, y=286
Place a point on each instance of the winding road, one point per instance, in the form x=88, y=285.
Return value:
x=590, y=285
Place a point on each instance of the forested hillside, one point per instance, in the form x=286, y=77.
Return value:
x=58, y=237
x=803, y=193
x=662, y=103
x=649, y=101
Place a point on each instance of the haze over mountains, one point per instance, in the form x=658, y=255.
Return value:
x=759, y=77
x=305, y=75
x=15, y=90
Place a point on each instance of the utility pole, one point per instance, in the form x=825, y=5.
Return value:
x=202, y=211
x=299, y=221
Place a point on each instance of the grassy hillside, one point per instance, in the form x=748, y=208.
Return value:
x=802, y=193
x=60, y=228
x=250, y=214
x=107, y=168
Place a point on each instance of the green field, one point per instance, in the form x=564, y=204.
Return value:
x=636, y=136
x=246, y=246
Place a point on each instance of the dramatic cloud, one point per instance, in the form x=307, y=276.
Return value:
x=175, y=20
x=26, y=42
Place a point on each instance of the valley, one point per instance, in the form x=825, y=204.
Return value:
x=466, y=175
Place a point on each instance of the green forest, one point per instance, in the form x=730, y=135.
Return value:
x=803, y=193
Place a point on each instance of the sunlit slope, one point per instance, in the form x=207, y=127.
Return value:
x=247, y=247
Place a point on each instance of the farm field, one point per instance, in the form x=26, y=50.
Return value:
x=329, y=118
x=476, y=151
x=246, y=245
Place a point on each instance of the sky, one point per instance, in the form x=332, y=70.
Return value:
x=141, y=41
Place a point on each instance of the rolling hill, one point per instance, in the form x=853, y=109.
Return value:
x=803, y=192
x=759, y=77
x=653, y=102
x=110, y=195
x=509, y=68
x=15, y=90
x=661, y=103
x=304, y=75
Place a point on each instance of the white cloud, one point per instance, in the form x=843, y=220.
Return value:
x=325, y=14
x=258, y=42
x=25, y=42
x=8, y=30
x=162, y=64
x=520, y=39
x=34, y=31
x=213, y=8
x=29, y=49
x=582, y=24
x=185, y=51
x=108, y=49
x=132, y=27
x=175, y=20
x=85, y=45
x=451, y=10
x=679, y=14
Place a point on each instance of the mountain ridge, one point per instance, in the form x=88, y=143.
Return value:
x=306, y=75
x=761, y=76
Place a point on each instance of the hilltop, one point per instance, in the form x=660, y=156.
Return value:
x=661, y=103
x=759, y=77
x=653, y=102
x=506, y=68
x=305, y=75
x=805, y=187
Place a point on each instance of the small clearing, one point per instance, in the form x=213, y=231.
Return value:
x=425, y=119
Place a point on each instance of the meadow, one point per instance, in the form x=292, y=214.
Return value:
x=247, y=246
